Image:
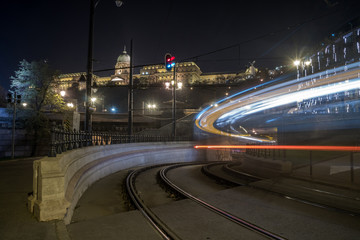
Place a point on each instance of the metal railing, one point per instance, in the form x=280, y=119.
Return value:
x=310, y=160
x=267, y=153
x=64, y=140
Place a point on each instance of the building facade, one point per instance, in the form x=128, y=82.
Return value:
x=185, y=72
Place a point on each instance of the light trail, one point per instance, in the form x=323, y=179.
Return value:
x=244, y=103
x=280, y=147
x=292, y=98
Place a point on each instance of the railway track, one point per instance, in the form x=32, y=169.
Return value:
x=307, y=187
x=167, y=232
x=193, y=205
x=154, y=221
x=213, y=208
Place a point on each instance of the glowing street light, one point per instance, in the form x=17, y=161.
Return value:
x=167, y=85
x=151, y=106
x=297, y=63
x=62, y=93
x=70, y=105
x=307, y=64
x=179, y=85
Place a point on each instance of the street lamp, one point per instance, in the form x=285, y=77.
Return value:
x=297, y=63
x=173, y=86
x=89, y=73
x=62, y=93
x=179, y=85
x=307, y=64
x=151, y=106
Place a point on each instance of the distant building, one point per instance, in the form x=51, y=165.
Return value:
x=186, y=72
x=338, y=49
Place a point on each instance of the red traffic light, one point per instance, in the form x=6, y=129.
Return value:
x=169, y=61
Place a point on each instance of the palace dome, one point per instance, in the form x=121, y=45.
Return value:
x=124, y=57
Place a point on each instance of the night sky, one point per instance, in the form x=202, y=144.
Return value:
x=58, y=32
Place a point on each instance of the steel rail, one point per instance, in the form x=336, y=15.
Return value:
x=297, y=199
x=227, y=168
x=241, y=178
x=155, y=222
x=221, y=212
x=207, y=170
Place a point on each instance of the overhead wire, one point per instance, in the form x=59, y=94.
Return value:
x=196, y=57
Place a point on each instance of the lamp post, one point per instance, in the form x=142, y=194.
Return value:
x=297, y=63
x=174, y=105
x=174, y=85
x=14, y=100
x=89, y=73
x=307, y=64
x=131, y=94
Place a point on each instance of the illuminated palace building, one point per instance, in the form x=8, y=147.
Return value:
x=186, y=73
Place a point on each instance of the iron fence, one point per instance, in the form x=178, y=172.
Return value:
x=314, y=164
x=64, y=140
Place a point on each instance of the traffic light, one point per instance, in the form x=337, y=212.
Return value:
x=169, y=61
x=9, y=97
x=18, y=99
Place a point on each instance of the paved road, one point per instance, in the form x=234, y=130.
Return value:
x=16, y=222
x=101, y=213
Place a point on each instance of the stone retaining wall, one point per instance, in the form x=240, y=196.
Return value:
x=24, y=144
x=59, y=182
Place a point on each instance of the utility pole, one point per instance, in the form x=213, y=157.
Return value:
x=13, y=131
x=174, y=105
x=130, y=93
x=13, y=99
x=89, y=73
x=169, y=65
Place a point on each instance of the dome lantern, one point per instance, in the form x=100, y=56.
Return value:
x=124, y=57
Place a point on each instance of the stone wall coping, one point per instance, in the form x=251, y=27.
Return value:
x=59, y=182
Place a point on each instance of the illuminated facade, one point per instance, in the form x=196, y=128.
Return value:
x=186, y=72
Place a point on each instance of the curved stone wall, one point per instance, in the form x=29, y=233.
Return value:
x=59, y=182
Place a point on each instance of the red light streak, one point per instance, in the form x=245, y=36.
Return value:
x=281, y=147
